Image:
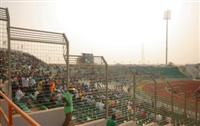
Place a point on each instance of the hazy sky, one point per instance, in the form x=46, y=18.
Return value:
x=117, y=29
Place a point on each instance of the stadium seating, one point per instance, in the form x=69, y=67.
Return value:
x=166, y=71
x=88, y=85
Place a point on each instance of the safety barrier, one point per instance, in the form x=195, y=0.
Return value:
x=12, y=107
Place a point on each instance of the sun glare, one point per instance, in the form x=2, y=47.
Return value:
x=119, y=24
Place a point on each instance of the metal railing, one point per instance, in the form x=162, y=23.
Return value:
x=12, y=107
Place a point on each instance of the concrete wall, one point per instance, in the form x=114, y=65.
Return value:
x=130, y=123
x=55, y=117
x=100, y=122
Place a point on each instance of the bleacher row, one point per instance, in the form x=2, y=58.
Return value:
x=165, y=71
x=32, y=80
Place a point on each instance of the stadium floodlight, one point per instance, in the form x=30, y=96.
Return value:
x=167, y=17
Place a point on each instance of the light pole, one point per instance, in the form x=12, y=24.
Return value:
x=167, y=17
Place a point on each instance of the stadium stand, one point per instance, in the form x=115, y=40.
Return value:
x=37, y=85
x=166, y=71
x=33, y=90
x=38, y=76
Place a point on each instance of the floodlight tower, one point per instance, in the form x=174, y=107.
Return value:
x=167, y=17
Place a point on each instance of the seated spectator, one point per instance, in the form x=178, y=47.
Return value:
x=76, y=94
x=59, y=88
x=52, y=86
x=59, y=97
x=53, y=98
x=32, y=82
x=34, y=95
x=25, y=82
x=19, y=94
x=40, y=86
x=100, y=106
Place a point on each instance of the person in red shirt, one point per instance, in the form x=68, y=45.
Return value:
x=52, y=87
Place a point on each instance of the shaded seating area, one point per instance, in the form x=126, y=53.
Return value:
x=166, y=71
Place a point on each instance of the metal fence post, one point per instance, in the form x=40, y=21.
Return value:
x=9, y=88
x=185, y=104
x=155, y=99
x=106, y=82
x=172, y=104
x=134, y=100
x=67, y=59
x=196, y=110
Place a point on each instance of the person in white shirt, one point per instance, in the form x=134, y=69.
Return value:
x=19, y=94
x=25, y=82
x=100, y=106
x=32, y=82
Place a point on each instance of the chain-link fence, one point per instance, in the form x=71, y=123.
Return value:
x=96, y=97
x=4, y=50
x=164, y=99
x=120, y=97
x=88, y=80
x=184, y=101
x=4, y=55
x=33, y=67
x=38, y=68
